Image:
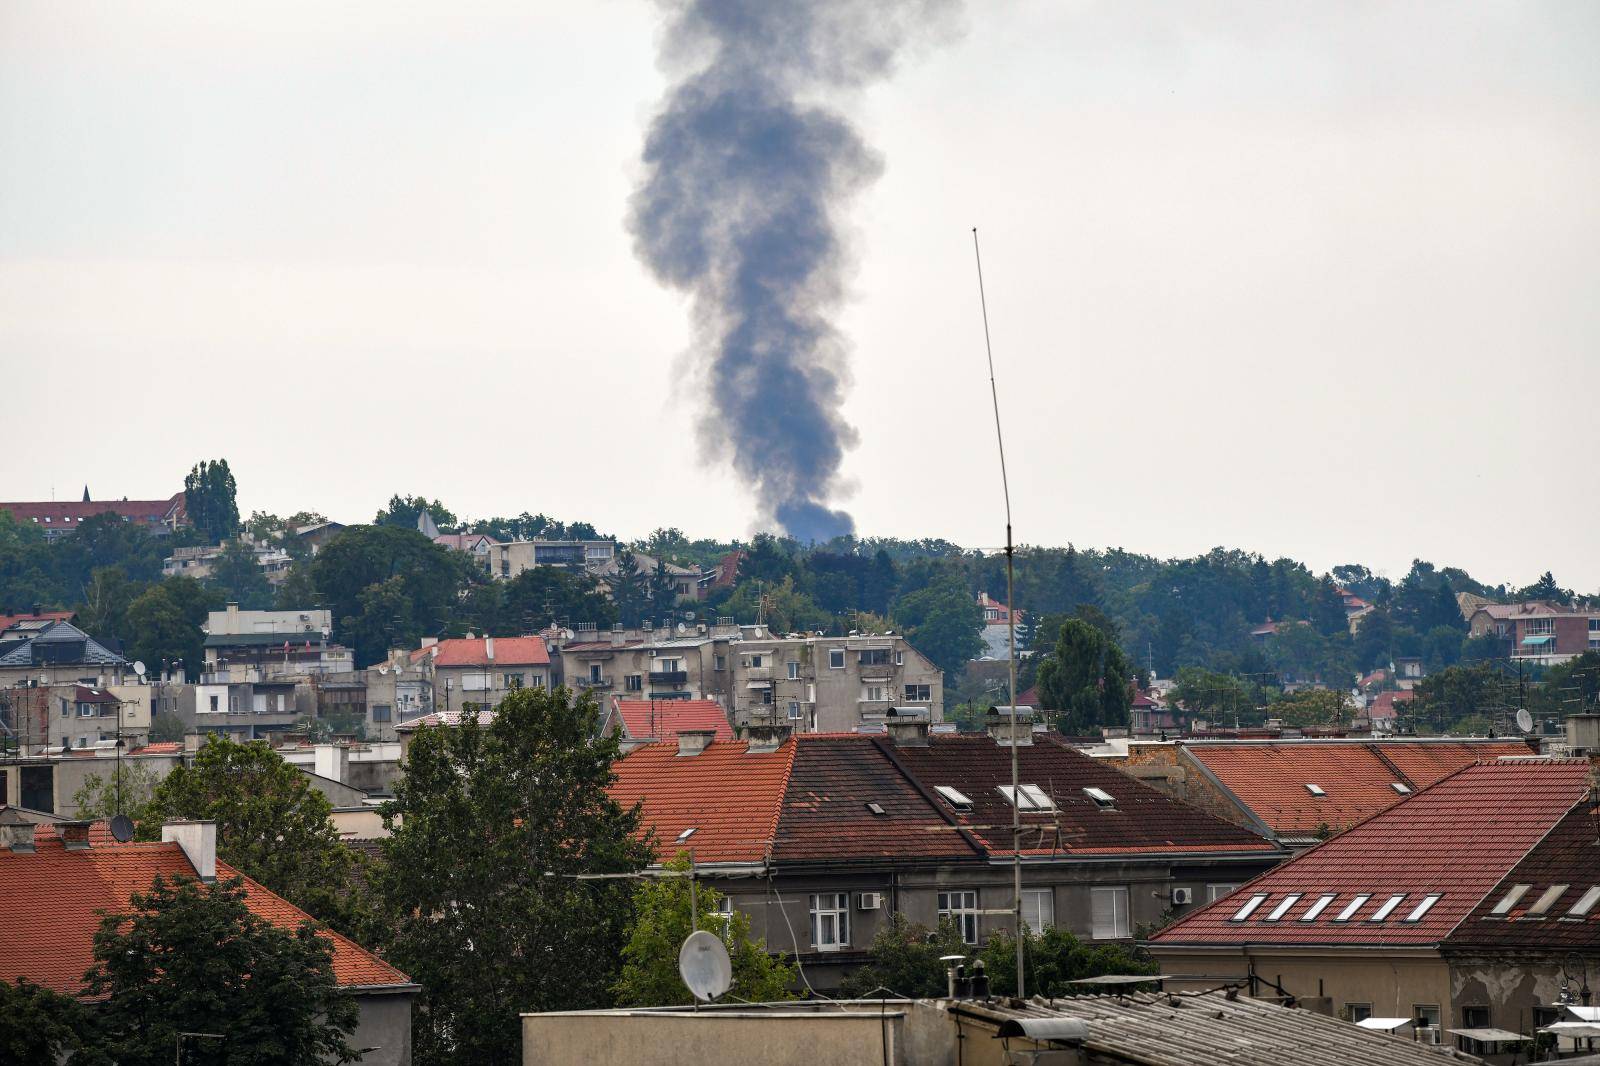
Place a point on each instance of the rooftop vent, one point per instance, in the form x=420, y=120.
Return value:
x=74, y=835
x=694, y=741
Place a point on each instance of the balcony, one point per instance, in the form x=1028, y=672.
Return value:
x=669, y=677
x=587, y=683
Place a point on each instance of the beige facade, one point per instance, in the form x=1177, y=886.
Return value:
x=49, y=783
x=831, y=684
x=645, y=664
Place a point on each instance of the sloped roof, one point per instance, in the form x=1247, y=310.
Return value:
x=474, y=651
x=9, y=620
x=1456, y=839
x=1383, y=705
x=663, y=719
x=1142, y=819
x=437, y=718
x=728, y=794
x=1357, y=778
x=68, y=513
x=52, y=896
x=1569, y=855
x=21, y=651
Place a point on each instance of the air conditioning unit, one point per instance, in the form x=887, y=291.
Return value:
x=1181, y=896
x=869, y=901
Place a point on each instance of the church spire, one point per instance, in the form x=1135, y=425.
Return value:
x=86, y=494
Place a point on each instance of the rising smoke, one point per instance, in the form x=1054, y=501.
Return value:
x=748, y=168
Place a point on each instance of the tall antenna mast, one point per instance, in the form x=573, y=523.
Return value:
x=1011, y=641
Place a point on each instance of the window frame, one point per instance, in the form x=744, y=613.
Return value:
x=835, y=906
x=960, y=905
x=1046, y=896
x=836, y=659
x=1116, y=893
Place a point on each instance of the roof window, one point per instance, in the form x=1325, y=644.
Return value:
x=953, y=796
x=876, y=808
x=1547, y=900
x=687, y=833
x=1315, y=790
x=1351, y=907
x=1400, y=787
x=1249, y=907
x=1509, y=900
x=1319, y=906
x=1101, y=797
x=1424, y=907
x=1585, y=903
x=1387, y=907
x=1283, y=907
x=1028, y=797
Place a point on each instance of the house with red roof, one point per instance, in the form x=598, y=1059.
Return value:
x=1538, y=631
x=1365, y=923
x=821, y=837
x=483, y=670
x=57, y=879
x=58, y=518
x=641, y=721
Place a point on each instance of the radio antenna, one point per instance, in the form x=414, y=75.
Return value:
x=1011, y=638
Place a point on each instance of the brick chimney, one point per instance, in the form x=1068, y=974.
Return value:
x=74, y=834
x=198, y=839
x=907, y=728
x=694, y=741
x=999, y=725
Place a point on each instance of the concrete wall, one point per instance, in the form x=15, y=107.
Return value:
x=1164, y=766
x=386, y=1025
x=1511, y=987
x=1391, y=981
x=771, y=1038
x=68, y=775
x=832, y=697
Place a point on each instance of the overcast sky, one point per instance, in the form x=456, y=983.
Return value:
x=1317, y=280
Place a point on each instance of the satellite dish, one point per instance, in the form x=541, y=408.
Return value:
x=682, y=628
x=122, y=828
x=138, y=668
x=704, y=965
x=1524, y=720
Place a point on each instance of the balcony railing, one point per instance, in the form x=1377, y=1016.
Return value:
x=595, y=682
x=669, y=677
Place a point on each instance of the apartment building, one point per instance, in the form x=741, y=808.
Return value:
x=484, y=670
x=256, y=645
x=831, y=684
x=507, y=559
x=43, y=652
x=59, y=518
x=1539, y=632
x=648, y=663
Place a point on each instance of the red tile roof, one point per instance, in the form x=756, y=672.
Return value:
x=1566, y=856
x=68, y=513
x=9, y=620
x=729, y=795
x=1457, y=838
x=1357, y=778
x=1143, y=820
x=51, y=898
x=474, y=651
x=160, y=747
x=662, y=719
x=1383, y=705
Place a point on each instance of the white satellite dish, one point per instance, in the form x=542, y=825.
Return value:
x=682, y=628
x=138, y=668
x=1524, y=720
x=704, y=965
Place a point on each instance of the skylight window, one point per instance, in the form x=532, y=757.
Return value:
x=687, y=833
x=1351, y=907
x=1283, y=907
x=1424, y=907
x=1101, y=797
x=1585, y=903
x=1509, y=900
x=1387, y=907
x=1028, y=797
x=1315, y=790
x=1249, y=907
x=1548, y=900
x=875, y=808
x=954, y=797
x=1400, y=787
x=1318, y=907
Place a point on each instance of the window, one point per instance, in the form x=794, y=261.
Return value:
x=874, y=657
x=1351, y=907
x=794, y=670
x=1424, y=907
x=754, y=662
x=877, y=809
x=1425, y=1015
x=1029, y=798
x=85, y=710
x=874, y=694
x=1400, y=787
x=1249, y=907
x=1216, y=892
x=1535, y=626
x=961, y=908
x=1594, y=625
x=954, y=797
x=919, y=693
x=795, y=713
x=66, y=708
x=1475, y=1017
x=830, y=920
x=721, y=662
x=1386, y=908
x=633, y=683
x=1101, y=797
x=1039, y=908
x=1547, y=899
x=1585, y=903
x=836, y=658
x=766, y=697
x=1277, y=913
x=1318, y=907
x=1108, y=913
x=1359, y=1012
x=214, y=707
x=381, y=712
x=596, y=673
x=1315, y=790
x=1509, y=900
x=669, y=666
x=515, y=680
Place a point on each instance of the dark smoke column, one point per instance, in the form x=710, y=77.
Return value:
x=747, y=171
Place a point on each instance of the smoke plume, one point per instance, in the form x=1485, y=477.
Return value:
x=748, y=168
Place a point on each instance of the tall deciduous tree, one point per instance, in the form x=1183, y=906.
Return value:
x=211, y=498
x=942, y=621
x=629, y=589
x=271, y=826
x=426, y=577
x=164, y=623
x=491, y=824
x=191, y=957
x=1085, y=679
x=238, y=577
x=38, y=1025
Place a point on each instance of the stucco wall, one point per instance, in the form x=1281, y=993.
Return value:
x=386, y=1025
x=661, y=1039
x=1391, y=983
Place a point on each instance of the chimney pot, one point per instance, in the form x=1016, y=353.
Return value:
x=18, y=835
x=694, y=741
x=198, y=839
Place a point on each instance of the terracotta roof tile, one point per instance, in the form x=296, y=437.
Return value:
x=1457, y=839
x=662, y=719
x=1568, y=855
x=52, y=896
x=508, y=651
x=729, y=795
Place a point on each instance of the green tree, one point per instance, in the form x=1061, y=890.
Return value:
x=785, y=608
x=166, y=726
x=661, y=922
x=238, y=577
x=428, y=579
x=211, y=498
x=1313, y=707
x=1546, y=589
x=497, y=922
x=662, y=589
x=164, y=624
x=1473, y=725
x=544, y=594
x=37, y=1024
x=1455, y=693
x=403, y=512
x=297, y=592
x=629, y=589
x=272, y=825
x=97, y=796
x=1085, y=679
x=192, y=957
x=944, y=622
x=904, y=958
x=1053, y=959
x=105, y=603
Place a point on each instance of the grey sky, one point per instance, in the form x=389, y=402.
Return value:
x=1315, y=280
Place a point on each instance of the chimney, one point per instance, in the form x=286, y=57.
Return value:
x=1583, y=734
x=616, y=636
x=18, y=834
x=999, y=723
x=907, y=731
x=191, y=742
x=74, y=834
x=694, y=741
x=198, y=839
x=765, y=736
x=331, y=761
x=488, y=649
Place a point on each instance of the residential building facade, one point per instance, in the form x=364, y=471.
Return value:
x=47, y=652
x=1538, y=632
x=831, y=684
x=483, y=670
x=58, y=518
x=650, y=663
